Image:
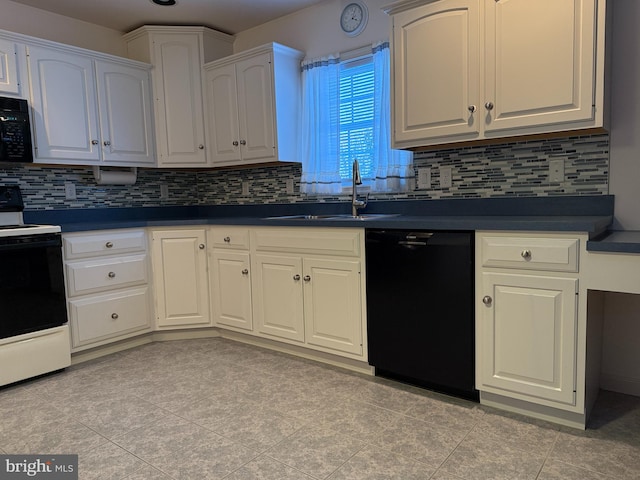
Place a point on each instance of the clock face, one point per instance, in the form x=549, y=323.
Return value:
x=353, y=19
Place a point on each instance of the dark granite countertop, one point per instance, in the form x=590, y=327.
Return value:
x=616, y=242
x=589, y=214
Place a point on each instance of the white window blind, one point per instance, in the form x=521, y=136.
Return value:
x=356, y=117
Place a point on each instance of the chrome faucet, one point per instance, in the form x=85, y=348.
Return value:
x=357, y=180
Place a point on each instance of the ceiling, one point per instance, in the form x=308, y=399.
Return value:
x=229, y=16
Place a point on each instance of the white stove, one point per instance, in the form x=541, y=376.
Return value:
x=34, y=331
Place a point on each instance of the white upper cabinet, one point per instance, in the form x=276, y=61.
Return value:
x=65, y=108
x=253, y=106
x=177, y=54
x=89, y=111
x=436, y=70
x=125, y=113
x=9, y=81
x=539, y=63
x=476, y=69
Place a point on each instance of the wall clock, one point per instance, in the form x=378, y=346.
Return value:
x=354, y=18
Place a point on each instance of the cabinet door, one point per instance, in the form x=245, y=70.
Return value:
x=436, y=71
x=527, y=342
x=278, y=301
x=178, y=88
x=539, y=62
x=231, y=289
x=8, y=68
x=180, y=278
x=125, y=114
x=222, y=107
x=255, y=108
x=333, y=304
x=63, y=99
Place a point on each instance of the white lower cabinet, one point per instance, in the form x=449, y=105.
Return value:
x=279, y=306
x=231, y=289
x=530, y=322
x=107, y=276
x=181, y=287
x=308, y=287
x=333, y=304
x=529, y=336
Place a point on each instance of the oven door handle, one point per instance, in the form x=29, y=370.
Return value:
x=30, y=241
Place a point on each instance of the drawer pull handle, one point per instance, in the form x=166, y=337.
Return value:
x=487, y=300
x=108, y=245
x=526, y=254
x=245, y=272
x=112, y=274
x=227, y=239
x=307, y=278
x=114, y=316
x=201, y=246
x=296, y=277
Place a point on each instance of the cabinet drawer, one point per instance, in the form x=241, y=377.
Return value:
x=105, y=274
x=105, y=242
x=535, y=253
x=104, y=316
x=324, y=241
x=229, y=237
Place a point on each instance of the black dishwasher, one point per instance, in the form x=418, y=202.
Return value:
x=420, y=311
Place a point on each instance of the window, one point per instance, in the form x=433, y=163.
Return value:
x=356, y=117
x=346, y=116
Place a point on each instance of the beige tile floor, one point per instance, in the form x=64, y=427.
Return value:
x=216, y=409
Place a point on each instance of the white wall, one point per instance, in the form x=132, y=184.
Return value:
x=625, y=114
x=50, y=26
x=316, y=30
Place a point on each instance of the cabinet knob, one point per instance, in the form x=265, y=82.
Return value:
x=227, y=239
x=488, y=105
x=243, y=142
x=235, y=143
x=472, y=108
x=112, y=274
x=201, y=246
x=94, y=142
x=107, y=143
x=307, y=278
x=487, y=300
x=526, y=254
x=108, y=245
x=201, y=147
x=245, y=271
x=296, y=277
x=114, y=316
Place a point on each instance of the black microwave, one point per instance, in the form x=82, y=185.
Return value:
x=15, y=131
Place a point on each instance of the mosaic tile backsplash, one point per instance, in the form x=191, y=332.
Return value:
x=504, y=170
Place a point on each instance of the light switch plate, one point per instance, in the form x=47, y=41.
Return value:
x=245, y=188
x=445, y=177
x=164, y=191
x=289, y=184
x=69, y=191
x=556, y=170
x=424, y=178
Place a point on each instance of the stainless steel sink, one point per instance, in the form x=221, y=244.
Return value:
x=343, y=216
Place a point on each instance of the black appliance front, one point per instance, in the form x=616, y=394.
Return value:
x=15, y=131
x=32, y=294
x=420, y=310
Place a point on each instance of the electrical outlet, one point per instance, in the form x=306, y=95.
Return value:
x=445, y=177
x=556, y=170
x=69, y=191
x=289, y=184
x=164, y=191
x=245, y=188
x=424, y=178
